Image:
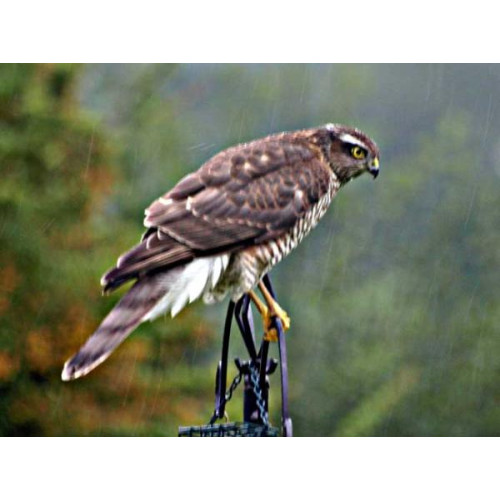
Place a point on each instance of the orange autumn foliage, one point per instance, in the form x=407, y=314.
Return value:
x=56, y=241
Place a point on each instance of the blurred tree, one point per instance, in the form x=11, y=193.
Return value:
x=54, y=243
x=399, y=334
x=407, y=344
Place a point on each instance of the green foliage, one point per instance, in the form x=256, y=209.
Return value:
x=393, y=297
x=55, y=240
x=411, y=344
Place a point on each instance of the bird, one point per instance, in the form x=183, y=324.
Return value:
x=221, y=229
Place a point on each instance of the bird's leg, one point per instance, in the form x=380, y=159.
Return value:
x=275, y=311
x=269, y=313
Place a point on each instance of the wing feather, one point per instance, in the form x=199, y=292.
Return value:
x=245, y=195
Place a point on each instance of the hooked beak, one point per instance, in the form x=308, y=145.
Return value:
x=374, y=168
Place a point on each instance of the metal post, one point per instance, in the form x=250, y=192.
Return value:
x=254, y=372
x=221, y=376
x=286, y=421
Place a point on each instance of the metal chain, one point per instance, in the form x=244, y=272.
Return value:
x=229, y=393
x=236, y=381
x=254, y=378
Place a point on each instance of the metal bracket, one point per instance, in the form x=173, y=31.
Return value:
x=256, y=389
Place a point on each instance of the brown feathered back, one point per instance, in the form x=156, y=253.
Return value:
x=245, y=195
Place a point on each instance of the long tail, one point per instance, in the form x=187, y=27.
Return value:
x=147, y=299
x=116, y=327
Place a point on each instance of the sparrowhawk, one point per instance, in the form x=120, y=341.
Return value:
x=223, y=227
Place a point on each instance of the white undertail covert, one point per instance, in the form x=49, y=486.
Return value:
x=188, y=283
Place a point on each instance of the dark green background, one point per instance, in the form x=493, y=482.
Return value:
x=394, y=297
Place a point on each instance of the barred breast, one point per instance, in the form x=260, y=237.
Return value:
x=247, y=267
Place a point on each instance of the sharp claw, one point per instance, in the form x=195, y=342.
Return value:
x=270, y=333
x=269, y=313
x=285, y=321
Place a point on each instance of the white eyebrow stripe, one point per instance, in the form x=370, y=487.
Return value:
x=352, y=140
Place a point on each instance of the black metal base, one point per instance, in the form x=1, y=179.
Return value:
x=238, y=429
x=255, y=373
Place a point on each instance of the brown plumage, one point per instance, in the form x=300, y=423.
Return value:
x=221, y=228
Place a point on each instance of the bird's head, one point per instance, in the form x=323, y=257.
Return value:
x=350, y=152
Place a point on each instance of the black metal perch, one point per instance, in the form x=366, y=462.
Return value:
x=255, y=375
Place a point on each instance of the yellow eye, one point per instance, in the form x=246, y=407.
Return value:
x=358, y=152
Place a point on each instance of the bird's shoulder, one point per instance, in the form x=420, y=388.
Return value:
x=234, y=168
x=255, y=186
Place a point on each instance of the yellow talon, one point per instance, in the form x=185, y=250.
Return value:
x=269, y=313
x=271, y=335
